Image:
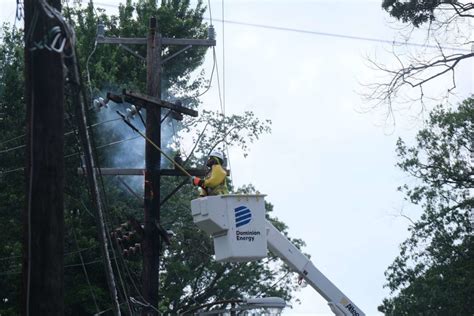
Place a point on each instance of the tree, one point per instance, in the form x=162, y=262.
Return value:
x=420, y=12
x=434, y=272
x=12, y=123
x=445, y=26
x=189, y=276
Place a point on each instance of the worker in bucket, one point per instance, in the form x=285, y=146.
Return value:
x=215, y=181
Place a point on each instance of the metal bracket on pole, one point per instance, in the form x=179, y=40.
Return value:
x=176, y=54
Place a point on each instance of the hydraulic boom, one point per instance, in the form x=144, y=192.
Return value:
x=296, y=260
x=241, y=233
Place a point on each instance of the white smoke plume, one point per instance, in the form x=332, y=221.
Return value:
x=130, y=153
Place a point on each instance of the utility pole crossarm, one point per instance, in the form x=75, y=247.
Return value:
x=164, y=41
x=158, y=102
x=122, y=40
x=188, y=41
x=145, y=101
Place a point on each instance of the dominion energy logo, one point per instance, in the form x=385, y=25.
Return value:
x=243, y=216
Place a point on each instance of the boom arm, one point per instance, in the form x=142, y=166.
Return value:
x=279, y=245
x=241, y=233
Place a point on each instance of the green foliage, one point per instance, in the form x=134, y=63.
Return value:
x=419, y=12
x=434, y=272
x=188, y=274
x=413, y=11
x=213, y=129
x=110, y=65
x=12, y=122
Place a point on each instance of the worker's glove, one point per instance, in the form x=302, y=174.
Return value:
x=198, y=181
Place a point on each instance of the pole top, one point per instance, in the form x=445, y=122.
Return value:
x=153, y=22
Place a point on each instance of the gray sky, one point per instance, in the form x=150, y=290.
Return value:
x=327, y=168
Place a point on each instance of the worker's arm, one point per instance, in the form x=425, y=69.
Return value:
x=218, y=175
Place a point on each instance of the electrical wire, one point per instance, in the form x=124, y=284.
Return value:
x=224, y=85
x=107, y=145
x=218, y=81
x=146, y=304
x=87, y=263
x=339, y=35
x=12, y=139
x=122, y=260
x=119, y=257
x=208, y=86
x=103, y=200
x=84, y=269
x=109, y=238
x=210, y=10
x=66, y=254
x=65, y=134
x=103, y=220
x=318, y=33
x=87, y=69
x=223, y=57
x=11, y=170
x=151, y=142
x=222, y=109
x=11, y=149
x=76, y=153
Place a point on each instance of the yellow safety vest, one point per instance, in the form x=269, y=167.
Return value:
x=215, y=181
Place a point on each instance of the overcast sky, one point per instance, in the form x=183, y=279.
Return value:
x=327, y=168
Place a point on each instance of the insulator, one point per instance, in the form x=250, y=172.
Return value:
x=100, y=29
x=211, y=33
x=131, y=113
x=100, y=103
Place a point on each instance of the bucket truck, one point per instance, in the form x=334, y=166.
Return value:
x=241, y=233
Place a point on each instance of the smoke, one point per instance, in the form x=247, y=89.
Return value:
x=129, y=151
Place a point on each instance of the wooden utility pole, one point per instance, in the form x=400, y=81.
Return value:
x=151, y=238
x=43, y=219
x=153, y=104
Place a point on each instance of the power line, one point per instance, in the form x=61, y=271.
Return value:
x=77, y=153
x=208, y=86
x=223, y=57
x=218, y=82
x=66, y=254
x=11, y=149
x=223, y=83
x=222, y=93
x=12, y=139
x=210, y=10
x=84, y=269
x=12, y=170
x=338, y=35
x=65, y=134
